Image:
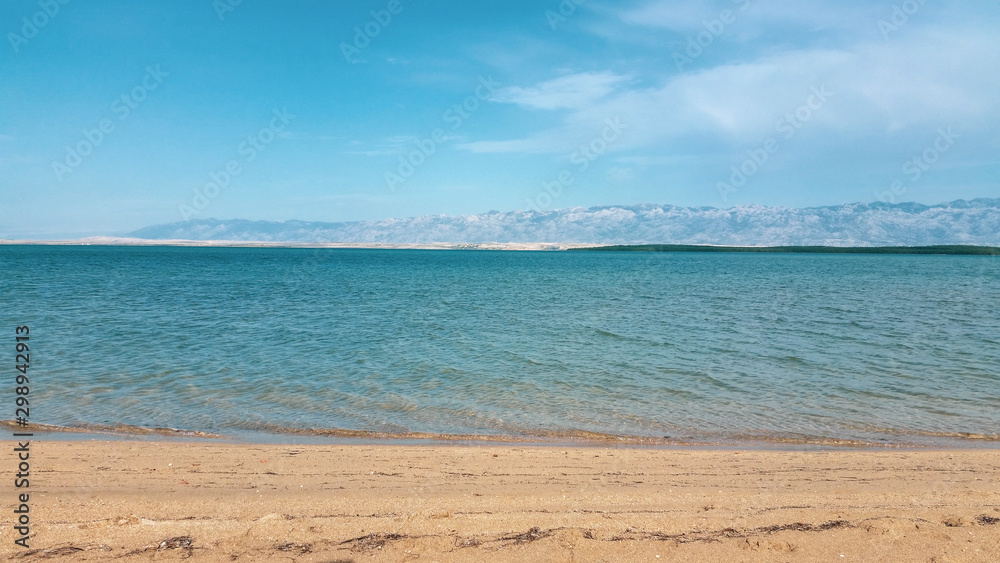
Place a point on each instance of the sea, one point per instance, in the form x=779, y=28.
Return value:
x=701, y=349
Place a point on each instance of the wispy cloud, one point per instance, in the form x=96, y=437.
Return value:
x=927, y=77
x=574, y=91
x=762, y=15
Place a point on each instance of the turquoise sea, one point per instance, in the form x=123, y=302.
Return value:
x=261, y=343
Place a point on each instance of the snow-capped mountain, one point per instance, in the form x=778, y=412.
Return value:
x=857, y=224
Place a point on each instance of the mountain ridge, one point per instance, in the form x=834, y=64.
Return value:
x=975, y=222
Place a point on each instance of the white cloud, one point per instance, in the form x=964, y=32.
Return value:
x=573, y=91
x=928, y=77
x=806, y=15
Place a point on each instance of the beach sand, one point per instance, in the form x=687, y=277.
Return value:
x=143, y=501
x=125, y=241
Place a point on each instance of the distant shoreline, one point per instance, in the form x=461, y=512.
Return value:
x=963, y=250
x=954, y=250
x=115, y=241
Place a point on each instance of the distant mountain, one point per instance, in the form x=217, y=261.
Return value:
x=857, y=224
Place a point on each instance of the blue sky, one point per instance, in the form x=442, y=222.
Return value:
x=117, y=115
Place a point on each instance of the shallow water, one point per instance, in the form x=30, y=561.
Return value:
x=713, y=348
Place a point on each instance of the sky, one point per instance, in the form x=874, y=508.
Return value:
x=118, y=115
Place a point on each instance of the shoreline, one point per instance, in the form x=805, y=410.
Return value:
x=934, y=250
x=536, y=438
x=132, y=500
x=135, y=242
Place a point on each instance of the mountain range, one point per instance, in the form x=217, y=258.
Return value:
x=857, y=224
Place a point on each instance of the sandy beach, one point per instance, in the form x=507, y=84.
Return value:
x=140, y=501
x=126, y=241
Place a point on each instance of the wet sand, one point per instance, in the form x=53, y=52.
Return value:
x=141, y=501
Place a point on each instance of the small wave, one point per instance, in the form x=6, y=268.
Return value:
x=122, y=429
x=559, y=436
x=545, y=436
x=964, y=436
x=959, y=435
x=808, y=440
x=613, y=335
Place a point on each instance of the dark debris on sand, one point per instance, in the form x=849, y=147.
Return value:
x=729, y=533
x=372, y=541
x=178, y=542
x=300, y=548
x=531, y=535
x=986, y=520
x=60, y=551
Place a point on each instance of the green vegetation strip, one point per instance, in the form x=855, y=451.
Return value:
x=966, y=250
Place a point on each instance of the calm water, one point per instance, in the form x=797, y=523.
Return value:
x=700, y=347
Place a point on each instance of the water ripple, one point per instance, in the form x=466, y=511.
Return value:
x=708, y=348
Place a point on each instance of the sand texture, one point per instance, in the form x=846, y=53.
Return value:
x=152, y=501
